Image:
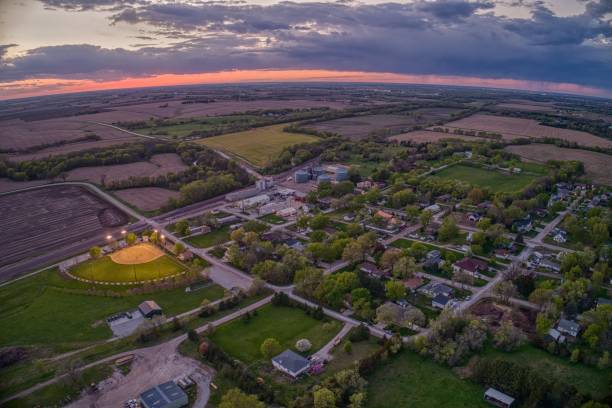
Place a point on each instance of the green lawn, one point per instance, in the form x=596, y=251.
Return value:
x=493, y=180
x=41, y=310
x=273, y=219
x=210, y=239
x=587, y=379
x=242, y=339
x=409, y=380
x=258, y=146
x=105, y=270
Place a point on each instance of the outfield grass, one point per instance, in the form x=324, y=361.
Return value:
x=257, y=146
x=242, y=340
x=587, y=379
x=41, y=310
x=273, y=219
x=493, y=180
x=216, y=237
x=105, y=270
x=409, y=380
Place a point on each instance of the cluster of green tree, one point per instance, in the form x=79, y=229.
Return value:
x=452, y=339
x=591, y=228
x=87, y=138
x=529, y=386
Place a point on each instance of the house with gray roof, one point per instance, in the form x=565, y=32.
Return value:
x=290, y=362
x=568, y=327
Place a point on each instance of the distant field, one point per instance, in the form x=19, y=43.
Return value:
x=429, y=136
x=147, y=198
x=528, y=107
x=160, y=164
x=513, y=128
x=597, y=165
x=257, y=146
x=106, y=269
x=242, y=339
x=409, y=380
x=359, y=127
x=493, y=180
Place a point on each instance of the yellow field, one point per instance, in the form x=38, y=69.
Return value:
x=137, y=254
x=257, y=146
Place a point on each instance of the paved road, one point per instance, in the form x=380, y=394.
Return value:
x=324, y=353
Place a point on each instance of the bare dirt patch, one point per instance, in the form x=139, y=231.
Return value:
x=137, y=254
x=513, y=128
x=160, y=164
x=40, y=220
x=426, y=136
x=147, y=198
x=597, y=165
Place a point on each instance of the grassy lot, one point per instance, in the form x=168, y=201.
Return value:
x=33, y=310
x=344, y=360
x=286, y=324
x=105, y=270
x=493, y=180
x=257, y=146
x=188, y=127
x=409, y=380
x=273, y=219
x=588, y=380
x=210, y=239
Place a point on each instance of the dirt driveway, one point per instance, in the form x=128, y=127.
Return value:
x=150, y=367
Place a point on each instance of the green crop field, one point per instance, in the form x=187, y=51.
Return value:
x=105, y=270
x=42, y=310
x=210, y=239
x=493, y=180
x=257, y=146
x=242, y=339
x=409, y=380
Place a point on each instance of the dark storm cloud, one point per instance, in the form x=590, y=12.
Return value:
x=444, y=37
x=4, y=49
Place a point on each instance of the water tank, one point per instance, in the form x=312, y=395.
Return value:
x=301, y=176
x=342, y=174
x=323, y=178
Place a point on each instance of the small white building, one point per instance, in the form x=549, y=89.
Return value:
x=254, y=201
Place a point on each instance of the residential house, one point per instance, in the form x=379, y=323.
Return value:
x=440, y=301
x=568, y=327
x=555, y=335
x=434, y=208
x=372, y=270
x=472, y=266
x=502, y=253
x=433, y=289
x=522, y=226
x=550, y=265
x=291, y=363
x=413, y=284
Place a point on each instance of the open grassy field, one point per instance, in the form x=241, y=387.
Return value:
x=257, y=146
x=107, y=268
x=273, y=219
x=513, y=128
x=41, y=310
x=588, y=380
x=286, y=324
x=409, y=380
x=596, y=165
x=146, y=198
x=493, y=180
x=216, y=237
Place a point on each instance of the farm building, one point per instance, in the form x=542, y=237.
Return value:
x=149, y=308
x=166, y=395
x=254, y=201
x=289, y=362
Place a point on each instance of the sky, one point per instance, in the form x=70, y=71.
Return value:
x=55, y=46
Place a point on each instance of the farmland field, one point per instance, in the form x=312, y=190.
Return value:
x=513, y=128
x=257, y=146
x=359, y=127
x=52, y=217
x=32, y=309
x=117, y=268
x=493, y=180
x=409, y=380
x=596, y=165
x=242, y=339
x=147, y=198
x=159, y=164
x=427, y=136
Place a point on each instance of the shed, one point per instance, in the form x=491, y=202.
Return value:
x=498, y=398
x=149, y=308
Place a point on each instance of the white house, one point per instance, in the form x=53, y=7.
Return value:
x=290, y=362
